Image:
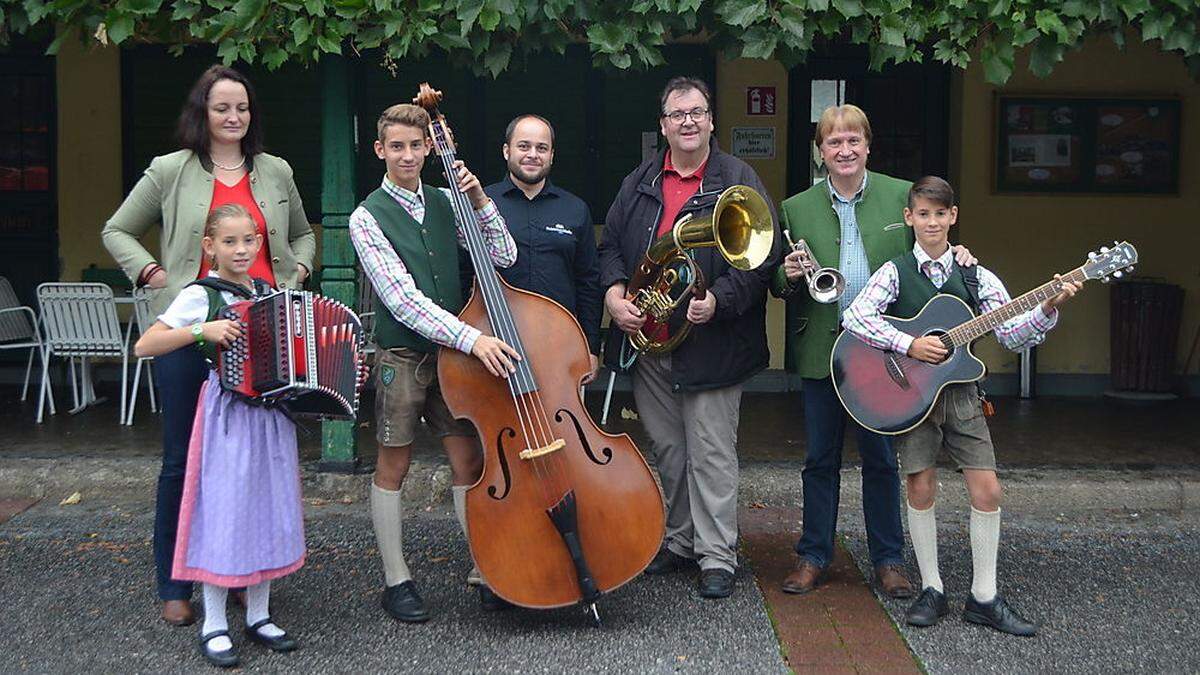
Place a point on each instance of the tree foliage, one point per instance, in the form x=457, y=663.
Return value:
x=490, y=35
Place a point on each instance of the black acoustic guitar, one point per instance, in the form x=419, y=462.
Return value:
x=891, y=393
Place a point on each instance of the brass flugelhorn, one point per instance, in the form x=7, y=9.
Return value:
x=825, y=284
x=740, y=226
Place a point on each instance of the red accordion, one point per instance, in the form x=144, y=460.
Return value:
x=298, y=349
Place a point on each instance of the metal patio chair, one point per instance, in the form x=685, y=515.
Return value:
x=144, y=319
x=80, y=322
x=19, y=330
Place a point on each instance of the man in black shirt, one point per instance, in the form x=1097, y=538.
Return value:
x=556, y=242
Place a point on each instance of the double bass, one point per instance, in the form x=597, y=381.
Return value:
x=563, y=511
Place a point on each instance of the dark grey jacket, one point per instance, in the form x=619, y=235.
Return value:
x=731, y=347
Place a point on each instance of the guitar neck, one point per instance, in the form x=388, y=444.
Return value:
x=988, y=321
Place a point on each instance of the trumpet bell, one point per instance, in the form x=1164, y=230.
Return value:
x=827, y=285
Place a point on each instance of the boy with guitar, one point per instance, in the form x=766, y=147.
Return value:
x=900, y=288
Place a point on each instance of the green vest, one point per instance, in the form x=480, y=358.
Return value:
x=810, y=216
x=916, y=289
x=216, y=303
x=429, y=251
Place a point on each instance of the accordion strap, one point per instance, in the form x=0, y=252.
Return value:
x=218, y=284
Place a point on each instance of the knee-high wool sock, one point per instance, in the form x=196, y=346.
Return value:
x=258, y=602
x=387, y=517
x=922, y=528
x=214, y=616
x=474, y=578
x=985, y=543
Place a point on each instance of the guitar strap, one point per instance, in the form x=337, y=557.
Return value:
x=971, y=281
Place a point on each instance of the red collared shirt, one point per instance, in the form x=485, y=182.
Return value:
x=676, y=190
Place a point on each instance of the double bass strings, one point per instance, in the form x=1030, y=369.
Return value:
x=538, y=426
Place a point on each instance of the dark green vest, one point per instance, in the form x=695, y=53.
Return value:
x=430, y=252
x=916, y=289
x=216, y=303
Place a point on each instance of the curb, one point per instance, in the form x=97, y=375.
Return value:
x=761, y=484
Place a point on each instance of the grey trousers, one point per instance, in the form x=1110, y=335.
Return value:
x=694, y=436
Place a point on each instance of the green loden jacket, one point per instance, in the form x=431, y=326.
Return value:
x=176, y=192
x=810, y=216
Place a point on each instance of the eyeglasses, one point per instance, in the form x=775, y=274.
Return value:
x=695, y=115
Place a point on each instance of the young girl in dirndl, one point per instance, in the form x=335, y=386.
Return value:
x=241, y=522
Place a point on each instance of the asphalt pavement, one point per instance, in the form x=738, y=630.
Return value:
x=77, y=588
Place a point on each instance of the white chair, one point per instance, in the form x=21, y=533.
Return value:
x=80, y=322
x=19, y=330
x=144, y=319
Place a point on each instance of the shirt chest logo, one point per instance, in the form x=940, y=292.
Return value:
x=559, y=228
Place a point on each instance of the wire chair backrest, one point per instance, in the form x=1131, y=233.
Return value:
x=366, y=306
x=14, y=326
x=141, y=307
x=80, y=319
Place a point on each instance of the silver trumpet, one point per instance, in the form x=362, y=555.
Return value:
x=825, y=284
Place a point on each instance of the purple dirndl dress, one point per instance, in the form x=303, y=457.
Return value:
x=241, y=521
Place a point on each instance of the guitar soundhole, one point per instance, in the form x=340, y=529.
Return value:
x=937, y=332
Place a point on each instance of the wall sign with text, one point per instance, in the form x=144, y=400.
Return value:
x=753, y=142
x=1050, y=144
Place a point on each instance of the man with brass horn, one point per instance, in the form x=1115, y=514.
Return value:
x=689, y=397
x=846, y=225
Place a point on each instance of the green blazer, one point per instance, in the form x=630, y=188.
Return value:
x=810, y=216
x=176, y=192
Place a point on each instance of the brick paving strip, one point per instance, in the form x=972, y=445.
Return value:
x=838, y=628
x=11, y=507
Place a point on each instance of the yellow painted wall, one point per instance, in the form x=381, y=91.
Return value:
x=1027, y=238
x=733, y=77
x=89, y=153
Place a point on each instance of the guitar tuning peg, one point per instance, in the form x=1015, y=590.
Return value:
x=1105, y=280
x=1129, y=269
x=1117, y=274
x=1104, y=249
x=1092, y=255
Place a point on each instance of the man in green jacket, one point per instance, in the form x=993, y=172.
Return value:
x=852, y=221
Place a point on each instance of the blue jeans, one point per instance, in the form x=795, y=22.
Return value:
x=179, y=376
x=825, y=422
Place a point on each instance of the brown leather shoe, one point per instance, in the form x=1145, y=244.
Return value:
x=804, y=578
x=894, y=582
x=178, y=612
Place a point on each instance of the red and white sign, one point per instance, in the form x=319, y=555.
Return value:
x=760, y=100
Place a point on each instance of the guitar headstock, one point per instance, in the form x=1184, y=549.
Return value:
x=1108, y=263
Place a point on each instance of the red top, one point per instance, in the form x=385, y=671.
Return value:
x=676, y=190
x=239, y=193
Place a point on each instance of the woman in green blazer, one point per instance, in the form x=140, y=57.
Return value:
x=220, y=161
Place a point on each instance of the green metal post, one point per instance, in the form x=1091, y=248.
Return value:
x=339, y=448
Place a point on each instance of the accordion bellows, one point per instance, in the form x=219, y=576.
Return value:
x=297, y=349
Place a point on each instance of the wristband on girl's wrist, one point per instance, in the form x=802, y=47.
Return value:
x=198, y=333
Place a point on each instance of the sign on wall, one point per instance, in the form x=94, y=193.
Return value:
x=760, y=100
x=753, y=142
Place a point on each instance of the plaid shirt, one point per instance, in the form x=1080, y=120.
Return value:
x=852, y=262
x=395, y=286
x=864, y=316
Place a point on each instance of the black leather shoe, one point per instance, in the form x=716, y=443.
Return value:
x=929, y=607
x=997, y=614
x=403, y=603
x=716, y=583
x=668, y=561
x=280, y=643
x=490, y=602
x=225, y=659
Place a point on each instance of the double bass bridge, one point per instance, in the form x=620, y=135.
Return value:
x=533, y=453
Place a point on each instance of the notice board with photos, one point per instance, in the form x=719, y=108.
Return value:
x=1097, y=145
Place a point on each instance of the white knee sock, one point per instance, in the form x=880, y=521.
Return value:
x=258, y=602
x=214, y=616
x=922, y=529
x=985, y=543
x=474, y=578
x=387, y=517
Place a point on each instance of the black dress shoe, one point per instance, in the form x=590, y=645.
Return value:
x=668, y=561
x=929, y=607
x=997, y=614
x=403, y=603
x=279, y=643
x=225, y=659
x=716, y=583
x=490, y=602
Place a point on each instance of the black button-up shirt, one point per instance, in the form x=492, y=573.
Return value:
x=556, y=250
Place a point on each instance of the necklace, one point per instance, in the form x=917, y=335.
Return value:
x=235, y=167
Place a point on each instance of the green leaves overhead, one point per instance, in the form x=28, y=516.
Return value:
x=489, y=36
